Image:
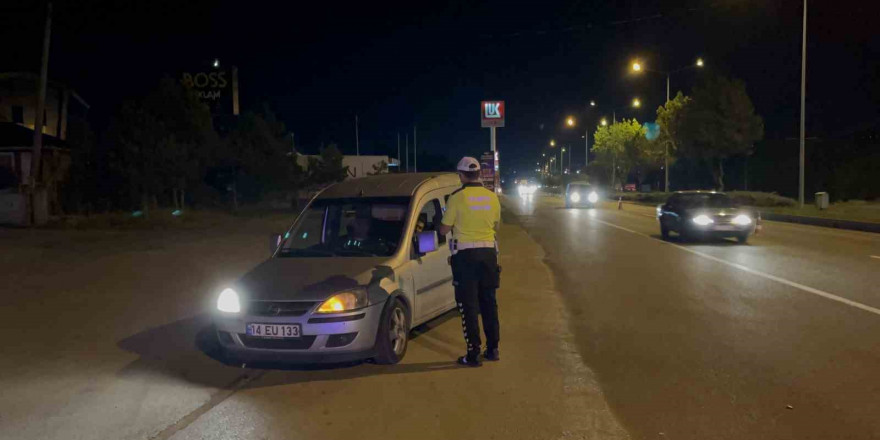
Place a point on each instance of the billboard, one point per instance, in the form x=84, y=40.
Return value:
x=218, y=88
x=492, y=114
x=489, y=170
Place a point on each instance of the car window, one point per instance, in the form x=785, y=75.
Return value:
x=360, y=227
x=429, y=218
x=707, y=200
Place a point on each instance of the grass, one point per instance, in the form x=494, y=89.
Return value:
x=856, y=210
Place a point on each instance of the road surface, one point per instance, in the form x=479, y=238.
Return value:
x=607, y=333
x=776, y=339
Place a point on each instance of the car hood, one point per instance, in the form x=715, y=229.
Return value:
x=306, y=279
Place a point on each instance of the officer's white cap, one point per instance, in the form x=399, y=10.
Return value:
x=468, y=164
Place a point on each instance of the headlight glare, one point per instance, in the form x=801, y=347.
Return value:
x=575, y=197
x=228, y=301
x=742, y=220
x=593, y=197
x=344, y=302
x=703, y=220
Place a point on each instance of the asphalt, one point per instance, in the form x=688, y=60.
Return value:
x=106, y=339
x=608, y=332
x=776, y=339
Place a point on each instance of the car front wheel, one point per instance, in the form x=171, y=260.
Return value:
x=393, y=334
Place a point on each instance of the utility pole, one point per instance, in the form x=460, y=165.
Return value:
x=415, y=154
x=37, y=212
x=398, y=151
x=357, y=139
x=407, y=152
x=666, y=147
x=803, y=108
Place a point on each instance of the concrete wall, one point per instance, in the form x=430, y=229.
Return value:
x=13, y=209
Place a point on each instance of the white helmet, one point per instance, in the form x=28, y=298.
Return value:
x=468, y=164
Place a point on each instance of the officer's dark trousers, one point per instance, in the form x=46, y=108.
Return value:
x=475, y=276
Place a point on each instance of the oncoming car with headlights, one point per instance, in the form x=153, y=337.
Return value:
x=526, y=188
x=358, y=269
x=581, y=194
x=697, y=214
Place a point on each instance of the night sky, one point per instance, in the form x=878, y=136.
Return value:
x=317, y=64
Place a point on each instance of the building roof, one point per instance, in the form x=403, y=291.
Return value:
x=389, y=185
x=34, y=77
x=16, y=136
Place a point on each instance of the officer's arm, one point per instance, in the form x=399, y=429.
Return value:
x=443, y=229
x=448, y=217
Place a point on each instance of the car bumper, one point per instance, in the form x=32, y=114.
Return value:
x=721, y=231
x=319, y=343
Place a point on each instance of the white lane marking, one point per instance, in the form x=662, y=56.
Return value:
x=809, y=289
x=874, y=256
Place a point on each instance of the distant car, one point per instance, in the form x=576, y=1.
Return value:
x=526, y=188
x=358, y=269
x=701, y=214
x=581, y=194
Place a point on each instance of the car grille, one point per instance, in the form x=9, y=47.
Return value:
x=303, y=343
x=279, y=308
x=723, y=219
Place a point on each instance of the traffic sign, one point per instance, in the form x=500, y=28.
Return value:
x=492, y=114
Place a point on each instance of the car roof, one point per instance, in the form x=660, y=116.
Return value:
x=390, y=185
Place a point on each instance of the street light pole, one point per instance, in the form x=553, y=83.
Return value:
x=803, y=108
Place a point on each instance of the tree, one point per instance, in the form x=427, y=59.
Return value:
x=258, y=154
x=622, y=146
x=669, y=118
x=327, y=168
x=162, y=142
x=719, y=123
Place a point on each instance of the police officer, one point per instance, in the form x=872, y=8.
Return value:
x=473, y=214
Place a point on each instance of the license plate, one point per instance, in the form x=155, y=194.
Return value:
x=725, y=228
x=274, y=330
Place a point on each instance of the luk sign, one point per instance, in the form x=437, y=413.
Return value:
x=492, y=114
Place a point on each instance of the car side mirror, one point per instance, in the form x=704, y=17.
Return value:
x=274, y=242
x=427, y=242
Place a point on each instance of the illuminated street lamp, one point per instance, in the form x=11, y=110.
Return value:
x=637, y=103
x=637, y=67
x=570, y=121
x=592, y=103
x=603, y=122
x=216, y=62
x=552, y=143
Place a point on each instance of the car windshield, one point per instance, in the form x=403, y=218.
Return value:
x=359, y=227
x=579, y=187
x=707, y=200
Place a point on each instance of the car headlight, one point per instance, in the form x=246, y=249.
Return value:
x=575, y=197
x=228, y=301
x=593, y=197
x=344, y=302
x=742, y=220
x=703, y=220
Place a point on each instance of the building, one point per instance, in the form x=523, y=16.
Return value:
x=18, y=102
x=358, y=166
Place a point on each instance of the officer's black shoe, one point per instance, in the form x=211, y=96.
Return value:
x=491, y=354
x=469, y=361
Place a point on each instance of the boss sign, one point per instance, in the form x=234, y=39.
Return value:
x=492, y=114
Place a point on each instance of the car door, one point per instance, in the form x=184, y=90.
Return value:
x=431, y=271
